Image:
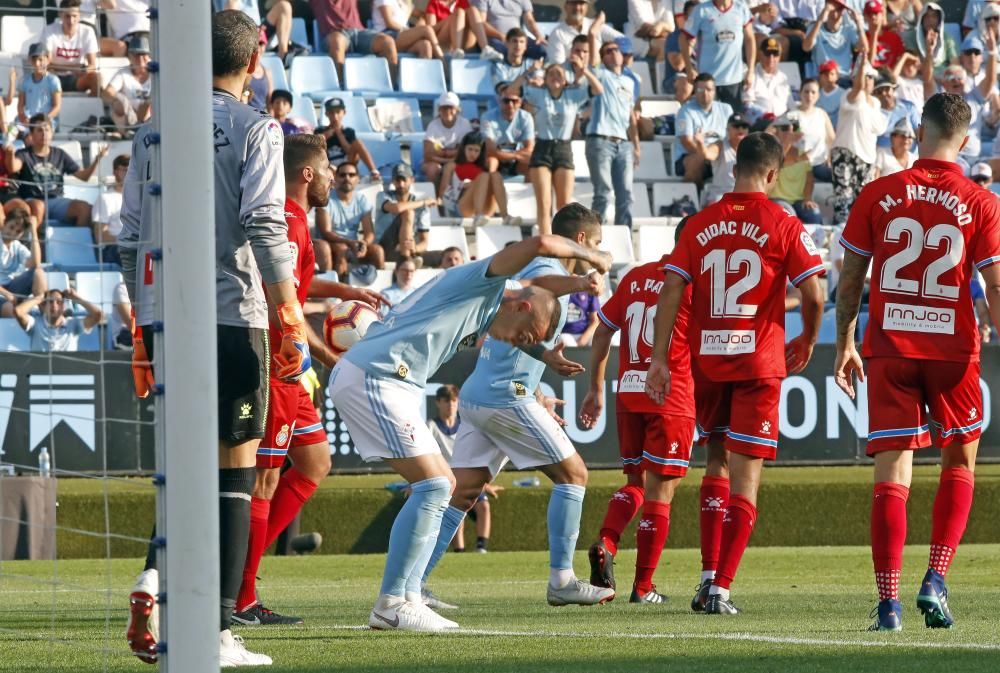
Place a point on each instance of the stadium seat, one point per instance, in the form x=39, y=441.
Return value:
x=492, y=238
x=368, y=76
x=793, y=324
x=98, y=287
x=417, y=158
x=76, y=110
x=653, y=241
x=828, y=328
x=90, y=341
x=12, y=337
x=385, y=154
x=422, y=276
x=304, y=110
x=82, y=191
x=641, y=68
x=581, y=169
x=57, y=280
x=314, y=76
x=299, y=35
x=318, y=44
x=423, y=190
x=70, y=248
x=423, y=78
x=356, y=114
x=17, y=33
x=442, y=236
x=277, y=68
x=665, y=193
x=652, y=165
x=640, y=201
x=521, y=200
x=791, y=70
x=105, y=172
x=618, y=241
x=394, y=108
x=659, y=108
x=471, y=77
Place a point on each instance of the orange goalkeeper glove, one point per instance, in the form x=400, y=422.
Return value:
x=292, y=359
x=142, y=368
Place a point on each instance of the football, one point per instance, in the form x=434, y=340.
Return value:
x=347, y=323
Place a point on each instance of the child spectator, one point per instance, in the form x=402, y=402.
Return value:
x=443, y=136
x=402, y=286
x=280, y=107
x=127, y=94
x=40, y=92
x=514, y=63
x=467, y=189
x=830, y=91
x=342, y=143
x=793, y=189
x=73, y=50
x=391, y=17
x=52, y=331
x=581, y=319
x=509, y=132
x=817, y=130
x=107, y=213
x=344, y=228
x=21, y=273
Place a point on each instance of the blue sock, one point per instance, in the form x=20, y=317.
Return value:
x=414, y=525
x=565, y=508
x=450, y=523
x=414, y=580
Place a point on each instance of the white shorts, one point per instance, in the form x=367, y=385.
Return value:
x=526, y=435
x=382, y=416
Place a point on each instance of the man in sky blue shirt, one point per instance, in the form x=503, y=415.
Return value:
x=700, y=125
x=893, y=108
x=344, y=229
x=724, y=33
x=836, y=37
x=509, y=133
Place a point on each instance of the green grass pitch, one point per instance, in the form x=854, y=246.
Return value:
x=805, y=609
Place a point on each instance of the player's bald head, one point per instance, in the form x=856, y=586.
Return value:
x=234, y=42
x=574, y=218
x=945, y=120
x=545, y=308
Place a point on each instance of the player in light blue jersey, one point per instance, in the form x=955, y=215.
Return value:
x=378, y=388
x=505, y=417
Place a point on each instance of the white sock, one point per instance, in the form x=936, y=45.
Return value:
x=707, y=575
x=560, y=577
x=717, y=590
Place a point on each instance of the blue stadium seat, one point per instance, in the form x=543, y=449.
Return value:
x=793, y=324
x=356, y=114
x=828, y=328
x=277, y=69
x=415, y=117
x=417, y=157
x=318, y=45
x=70, y=249
x=90, y=342
x=304, y=110
x=471, y=77
x=299, y=35
x=385, y=154
x=314, y=76
x=423, y=78
x=12, y=337
x=368, y=76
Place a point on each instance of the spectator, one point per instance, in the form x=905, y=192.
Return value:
x=21, y=273
x=280, y=107
x=887, y=44
x=853, y=152
x=126, y=19
x=455, y=31
x=121, y=318
x=341, y=30
x=555, y=107
x=574, y=24
x=910, y=85
x=893, y=109
x=830, y=92
x=73, y=50
x=344, y=229
x=259, y=84
x=402, y=285
x=443, y=136
x=771, y=93
x=793, y=190
x=898, y=155
x=725, y=37
x=52, y=331
x=40, y=168
x=450, y=257
x=581, y=319
x=107, y=213
x=701, y=124
x=342, y=143
x=513, y=64
x=649, y=23
x=509, y=132
x=983, y=116
x=467, y=189
x=928, y=37
x=499, y=16
x=40, y=92
x=982, y=174
x=127, y=94
x=794, y=17
x=817, y=130
x=402, y=220
x=675, y=79
x=834, y=38
x=278, y=24
x=979, y=80
x=902, y=14
x=392, y=17
x=644, y=125
x=612, y=146
x=723, y=180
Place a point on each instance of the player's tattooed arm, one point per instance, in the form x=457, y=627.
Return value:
x=852, y=281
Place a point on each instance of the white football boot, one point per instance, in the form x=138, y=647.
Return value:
x=577, y=592
x=395, y=613
x=232, y=652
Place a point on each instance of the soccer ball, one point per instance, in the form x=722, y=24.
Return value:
x=347, y=323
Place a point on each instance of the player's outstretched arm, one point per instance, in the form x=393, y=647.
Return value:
x=515, y=257
x=658, y=377
x=849, y=287
x=799, y=350
x=591, y=283
x=593, y=403
x=321, y=288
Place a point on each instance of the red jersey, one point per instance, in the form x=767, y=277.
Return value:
x=631, y=309
x=442, y=9
x=305, y=257
x=888, y=49
x=736, y=254
x=924, y=228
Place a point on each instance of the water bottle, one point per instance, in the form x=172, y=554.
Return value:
x=528, y=482
x=44, y=463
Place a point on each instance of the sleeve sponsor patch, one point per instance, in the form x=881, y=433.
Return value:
x=808, y=243
x=275, y=135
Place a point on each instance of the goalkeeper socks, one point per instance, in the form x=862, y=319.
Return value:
x=714, y=501
x=416, y=523
x=888, y=536
x=294, y=489
x=951, y=513
x=565, y=508
x=451, y=521
x=622, y=508
x=736, y=529
x=650, y=538
x=259, y=509
x=235, y=491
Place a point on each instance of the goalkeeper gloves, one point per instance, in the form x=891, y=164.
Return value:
x=292, y=359
x=142, y=368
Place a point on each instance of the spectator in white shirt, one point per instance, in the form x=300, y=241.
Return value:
x=107, y=213
x=576, y=23
x=121, y=318
x=125, y=19
x=73, y=50
x=52, y=331
x=898, y=155
x=770, y=92
x=127, y=94
x=649, y=23
x=21, y=273
x=443, y=136
x=392, y=18
x=817, y=131
x=723, y=180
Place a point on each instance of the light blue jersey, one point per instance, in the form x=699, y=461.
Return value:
x=720, y=40
x=612, y=110
x=555, y=117
x=447, y=314
x=836, y=46
x=505, y=72
x=691, y=118
x=38, y=95
x=345, y=218
x=384, y=219
x=830, y=103
x=508, y=135
x=506, y=376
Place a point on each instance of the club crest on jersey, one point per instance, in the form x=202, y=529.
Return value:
x=282, y=435
x=408, y=430
x=519, y=389
x=973, y=413
x=402, y=371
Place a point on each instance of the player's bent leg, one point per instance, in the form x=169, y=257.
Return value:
x=654, y=528
x=893, y=473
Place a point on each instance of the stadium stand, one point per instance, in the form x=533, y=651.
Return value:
x=368, y=77
x=315, y=77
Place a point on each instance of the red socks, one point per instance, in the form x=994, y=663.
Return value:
x=259, y=510
x=736, y=529
x=650, y=538
x=888, y=536
x=622, y=508
x=294, y=489
x=714, y=501
x=951, y=513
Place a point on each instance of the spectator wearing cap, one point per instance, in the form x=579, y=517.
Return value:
x=280, y=107
x=575, y=23
x=725, y=37
x=982, y=174
x=887, y=43
x=893, y=109
x=513, y=63
x=341, y=30
x=259, y=85
x=443, y=135
x=701, y=124
x=402, y=220
x=52, y=331
x=344, y=228
x=467, y=189
x=853, y=153
x=125, y=19
x=929, y=39
x=612, y=144
x=817, y=130
x=555, y=106
x=793, y=189
x=40, y=92
x=392, y=18
x=107, y=212
x=898, y=155
x=649, y=22
x=509, y=133
x=342, y=143
x=499, y=16
x=675, y=79
x=978, y=79
x=983, y=116
x=830, y=92
x=723, y=181
x=72, y=48
x=834, y=37
x=127, y=94
x=771, y=92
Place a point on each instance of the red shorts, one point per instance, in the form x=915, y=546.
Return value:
x=660, y=443
x=291, y=421
x=902, y=390
x=744, y=413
